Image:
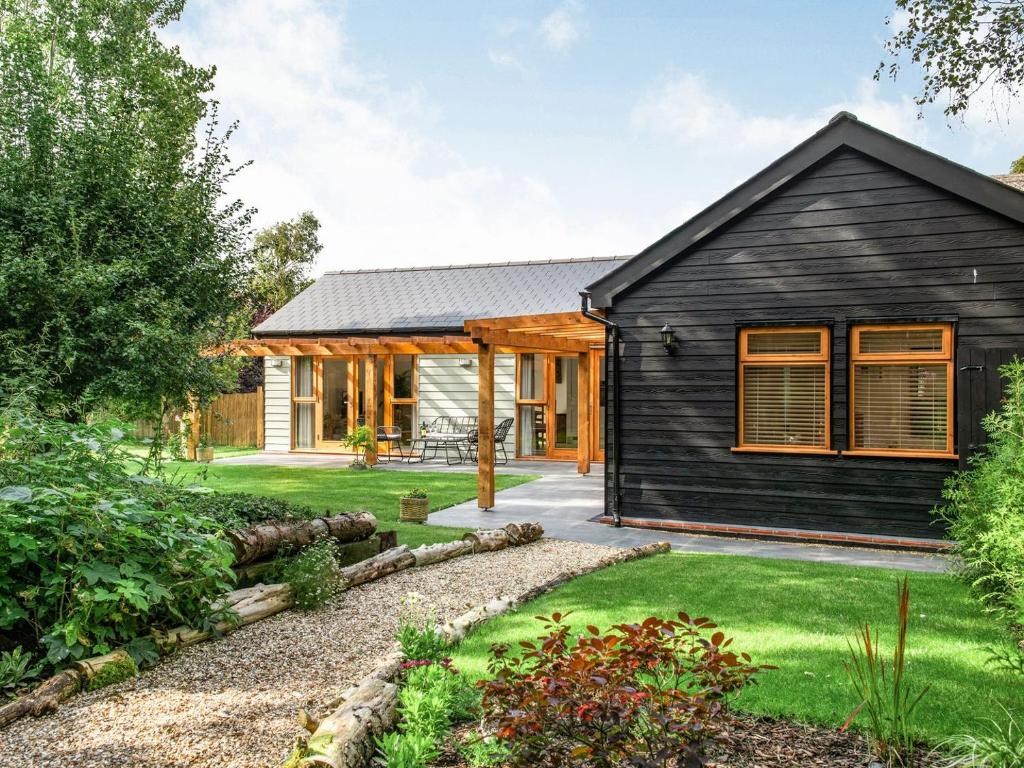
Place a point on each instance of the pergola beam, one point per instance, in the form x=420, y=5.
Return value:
x=531, y=341
x=527, y=321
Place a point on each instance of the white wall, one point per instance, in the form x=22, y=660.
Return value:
x=446, y=388
x=277, y=393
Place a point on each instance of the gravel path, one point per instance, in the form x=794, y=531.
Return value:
x=232, y=703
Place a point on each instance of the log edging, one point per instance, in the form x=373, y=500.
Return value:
x=263, y=600
x=358, y=754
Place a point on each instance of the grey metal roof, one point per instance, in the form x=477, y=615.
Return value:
x=435, y=298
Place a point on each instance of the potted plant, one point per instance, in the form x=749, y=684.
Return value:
x=413, y=506
x=360, y=440
x=204, y=450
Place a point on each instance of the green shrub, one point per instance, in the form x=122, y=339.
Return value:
x=997, y=746
x=16, y=670
x=237, y=510
x=433, y=697
x=483, y=751
x=87, y=560
x=647, y=694
x=984, y=506
x=113, y=673
x=416, y=633
x=314, y=575
x=415, y=493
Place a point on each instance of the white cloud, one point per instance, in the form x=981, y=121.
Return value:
x=564, y=26
x=328, y=136
x=686, y=108
x=506, y=61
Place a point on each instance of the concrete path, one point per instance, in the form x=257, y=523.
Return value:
x=566, y=503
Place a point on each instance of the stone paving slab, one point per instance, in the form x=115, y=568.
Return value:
x=566, y=504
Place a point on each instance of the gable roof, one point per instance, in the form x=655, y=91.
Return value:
x=843, y=130
x=434, y=298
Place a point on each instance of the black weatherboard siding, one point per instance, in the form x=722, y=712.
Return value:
x=851, y=237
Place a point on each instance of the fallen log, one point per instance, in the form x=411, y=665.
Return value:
x=89, y=668
x=523, y=533
x=377, y=567
x=487, y=540
x=456, y=630
x=45, y=698
x=250, y=605
x=261, y=541
x=346, y=737
x=436, y=553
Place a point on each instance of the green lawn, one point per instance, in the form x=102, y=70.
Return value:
x=349, y=490
x=141, y=450
x=799, y=617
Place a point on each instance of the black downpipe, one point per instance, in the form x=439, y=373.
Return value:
x=613, y=331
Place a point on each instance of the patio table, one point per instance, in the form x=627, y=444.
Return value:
x=437, y=439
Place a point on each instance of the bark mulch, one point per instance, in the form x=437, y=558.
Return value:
x=756, y=742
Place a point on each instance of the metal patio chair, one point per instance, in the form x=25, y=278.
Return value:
x=500, y=435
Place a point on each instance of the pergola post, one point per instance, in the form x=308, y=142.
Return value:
x=485, y=427
x=370, y=407
x=583, y=418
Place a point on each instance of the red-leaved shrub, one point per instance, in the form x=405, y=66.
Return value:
x=646, y=695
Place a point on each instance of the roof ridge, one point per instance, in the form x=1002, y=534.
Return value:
x=478, y=265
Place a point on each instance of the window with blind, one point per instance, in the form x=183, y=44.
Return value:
x=902, y=390
x=784, y=389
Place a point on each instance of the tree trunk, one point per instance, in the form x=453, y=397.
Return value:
x=523, y=533
x=377, y=567
x=45, y=698
x=456, y=630
x=89, y=668
x=487, y=541
x=260, y=541
x=251, y=605
x=346, y=738
x=436, y=553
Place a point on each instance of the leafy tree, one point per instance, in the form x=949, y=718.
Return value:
x=1017, y=166
x=280, y=261
x=962, y=46
x=119, y=256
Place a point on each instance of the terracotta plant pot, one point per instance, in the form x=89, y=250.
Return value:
x=413, y=510
x=204, y=454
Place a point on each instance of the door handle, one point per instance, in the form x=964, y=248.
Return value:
x=973, y=368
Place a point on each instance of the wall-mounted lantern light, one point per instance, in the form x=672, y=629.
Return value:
x=668, y=338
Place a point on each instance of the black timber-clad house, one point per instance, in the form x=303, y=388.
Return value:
x=838, y=323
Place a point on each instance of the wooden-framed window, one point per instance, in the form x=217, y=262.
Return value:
x=784, y=389
x=401, y=391
x=901, y=390
x=305, y=402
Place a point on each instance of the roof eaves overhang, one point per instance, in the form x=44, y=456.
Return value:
x=844, y=130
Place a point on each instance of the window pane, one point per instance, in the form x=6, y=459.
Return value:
x=305, y=422
x=303, y=377
x=533, y=436
x=404, y=366
x=784, y=405
x=901, y=407
x=784, y=343
x=405, y=420
x=335, y=395
x=531, y=377
x=567, y=402
x=895, y=340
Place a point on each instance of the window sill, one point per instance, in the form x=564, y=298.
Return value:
x=784, y=449
x=901, y=454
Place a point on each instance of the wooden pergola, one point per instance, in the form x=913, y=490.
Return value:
x=562, y=333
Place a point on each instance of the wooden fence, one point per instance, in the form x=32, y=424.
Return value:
x=235, y=419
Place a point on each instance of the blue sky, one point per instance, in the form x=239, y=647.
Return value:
x=451, y=132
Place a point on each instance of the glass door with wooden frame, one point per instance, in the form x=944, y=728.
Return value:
x=547, y=406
